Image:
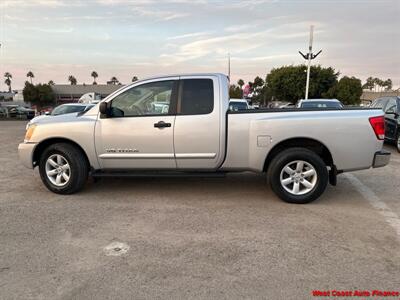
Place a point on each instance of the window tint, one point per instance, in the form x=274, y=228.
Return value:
x=147, y=99
x=197, y=96
x=391, y=106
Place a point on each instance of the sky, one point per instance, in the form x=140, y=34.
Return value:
x=123, y=38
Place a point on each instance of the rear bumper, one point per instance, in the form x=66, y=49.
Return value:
x=381, y=159
x=25, y=153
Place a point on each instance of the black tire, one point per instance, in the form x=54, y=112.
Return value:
x=398, y=142
x=78, y=165
x=290, y=155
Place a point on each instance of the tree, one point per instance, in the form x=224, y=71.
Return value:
x=235, y=91
x=378, y=83
x=94, y=75
x=240, y=83
x=72, y=79
x=348, y=90
x=7, y=80
x=134, y=78
x=388, y=84
x=30, y=75
x=40, y=95
x=114, y=80
x=369, y=84
x=288, y=83
x=51, y=82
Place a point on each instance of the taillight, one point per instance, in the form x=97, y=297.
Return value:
x=378, y=125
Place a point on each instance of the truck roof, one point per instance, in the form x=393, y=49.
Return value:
x=182, y=74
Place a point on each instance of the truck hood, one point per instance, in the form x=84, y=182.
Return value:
x=54, y=119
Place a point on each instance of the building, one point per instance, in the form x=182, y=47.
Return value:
x=368, y=96
x=65, y=93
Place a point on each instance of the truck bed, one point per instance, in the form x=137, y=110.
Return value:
x=346, y=133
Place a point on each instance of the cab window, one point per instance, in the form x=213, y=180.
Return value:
x=144, y=100
x=196, y=97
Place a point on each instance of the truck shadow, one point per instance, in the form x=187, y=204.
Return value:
x=248, y=187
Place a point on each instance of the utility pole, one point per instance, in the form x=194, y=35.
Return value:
x=309, y=56
x=229, y=66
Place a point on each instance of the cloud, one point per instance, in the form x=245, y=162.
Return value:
x=159, y=15
x=189, y=35
x=43, y=3
x=52, y=30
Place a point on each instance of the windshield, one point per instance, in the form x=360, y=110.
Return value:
x=67, y=109
x=236, y=105
x=321, y=104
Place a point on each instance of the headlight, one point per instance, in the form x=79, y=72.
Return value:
x=29, y=132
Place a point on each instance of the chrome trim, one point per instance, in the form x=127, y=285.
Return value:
x=195, y=155
x=137, y=155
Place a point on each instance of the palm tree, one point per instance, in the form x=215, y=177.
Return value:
x=51, y=82
x=30, y=75
x=114, y=80
x=8, y=77
x=94, y=75
x=134, y=78
x=72, y=79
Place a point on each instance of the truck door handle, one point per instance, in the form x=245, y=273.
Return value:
x=162, y=124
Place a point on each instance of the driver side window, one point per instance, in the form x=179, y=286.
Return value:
x=144, y=100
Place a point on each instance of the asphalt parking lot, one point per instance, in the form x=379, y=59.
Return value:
x=223, y=238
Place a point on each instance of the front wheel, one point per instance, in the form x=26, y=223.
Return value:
x=398, y=142
x=298, y=175
x=63, y=168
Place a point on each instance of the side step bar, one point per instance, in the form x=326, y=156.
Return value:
x=156, y=174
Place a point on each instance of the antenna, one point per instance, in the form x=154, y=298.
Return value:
x=309, y=56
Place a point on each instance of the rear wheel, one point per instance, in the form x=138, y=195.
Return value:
x=63, y=168
x=298, y=175
x=398, y=142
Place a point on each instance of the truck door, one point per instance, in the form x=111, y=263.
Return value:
x=139, y=132
x=391, y=119
x=199, y=133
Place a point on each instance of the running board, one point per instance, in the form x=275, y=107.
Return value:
x=158, y=174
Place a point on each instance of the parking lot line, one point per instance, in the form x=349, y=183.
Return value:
x=390, y=216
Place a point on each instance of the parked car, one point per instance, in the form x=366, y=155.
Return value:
x=319, y=103
x=20, y=112
x=63, y=109
x=238, y=104
x=287, y=105
x=391, y=107
x=126, y=135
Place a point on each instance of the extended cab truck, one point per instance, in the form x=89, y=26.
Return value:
x=181, y=125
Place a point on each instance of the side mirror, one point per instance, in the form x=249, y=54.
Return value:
x=103, y=108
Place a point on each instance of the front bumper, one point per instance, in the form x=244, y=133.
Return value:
x=25, y=153
x=381, y=159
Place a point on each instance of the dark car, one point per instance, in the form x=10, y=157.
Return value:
x=391, y=107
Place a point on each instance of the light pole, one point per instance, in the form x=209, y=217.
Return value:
x=229, y=66
x=309, y=56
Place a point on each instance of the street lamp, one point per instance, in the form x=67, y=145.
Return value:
x=309, y=56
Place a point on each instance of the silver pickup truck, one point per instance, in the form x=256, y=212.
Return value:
x=181, y=126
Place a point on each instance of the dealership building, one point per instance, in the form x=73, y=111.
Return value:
x=66, y=93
